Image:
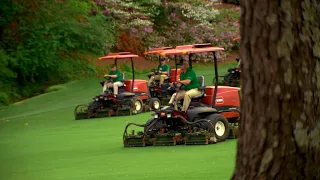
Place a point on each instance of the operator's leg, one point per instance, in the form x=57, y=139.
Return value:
x=162, y=77
x=105, y=86
x=116, y=86
x=157, y=77
x=180, y=96
x=154, y=77
x=188, y=96
x=150, y=80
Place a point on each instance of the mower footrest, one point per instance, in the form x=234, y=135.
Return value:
x=133, y=141
x=196, y=139
x=164, y=140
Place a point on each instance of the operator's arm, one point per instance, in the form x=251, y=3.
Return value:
x=185, y=82
x=111, y=75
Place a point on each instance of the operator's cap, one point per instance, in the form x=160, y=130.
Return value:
x=183, y=63
x=163, y=58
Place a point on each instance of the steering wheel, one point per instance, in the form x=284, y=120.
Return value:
x=108, y=78
x=178, y=87
x=154, y=73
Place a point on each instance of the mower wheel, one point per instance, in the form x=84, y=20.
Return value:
x=219, y=125
x=137, y=106
x=155, y=104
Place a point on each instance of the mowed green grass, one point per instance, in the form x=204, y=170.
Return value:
x=40, y=140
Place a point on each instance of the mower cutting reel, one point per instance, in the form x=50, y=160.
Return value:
x=176, y=130
x=97, y=110
x=81, y=112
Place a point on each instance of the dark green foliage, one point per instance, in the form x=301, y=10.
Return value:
x=237, y=2
x=49, y=42
x=4, y=99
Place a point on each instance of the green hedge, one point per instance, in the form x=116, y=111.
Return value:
x=43, y=43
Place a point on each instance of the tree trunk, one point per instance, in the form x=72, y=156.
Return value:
x=280, y=129
x=165, y=8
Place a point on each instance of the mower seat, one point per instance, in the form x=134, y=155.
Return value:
x=123, y=79
x=169, y=71
x=121, y=88
x=202, y=89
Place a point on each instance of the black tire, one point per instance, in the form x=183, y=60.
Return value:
x=219, y=125
x=155, y=104
x=135, y=106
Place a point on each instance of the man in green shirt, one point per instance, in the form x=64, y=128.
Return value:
x=163, y=70
x=116, y=76
x=191, y=89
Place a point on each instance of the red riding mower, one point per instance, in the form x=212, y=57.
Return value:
x=133, y=97
x=164, y=92
x=212, y=116
x=232, y=78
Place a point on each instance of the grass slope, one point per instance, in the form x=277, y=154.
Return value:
x=39, y=139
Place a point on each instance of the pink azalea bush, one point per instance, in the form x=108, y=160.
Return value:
x=187, y=22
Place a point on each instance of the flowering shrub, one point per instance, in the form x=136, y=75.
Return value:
x=202, y=13
x=184, y=30
x=149, y=24
x=140, y=23
x=127, y=42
